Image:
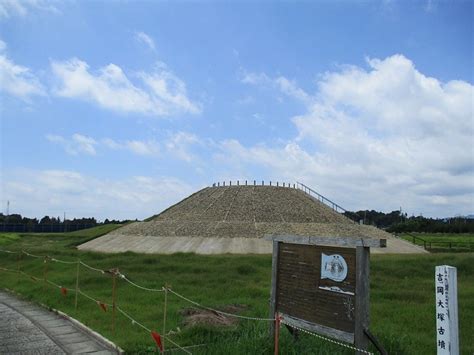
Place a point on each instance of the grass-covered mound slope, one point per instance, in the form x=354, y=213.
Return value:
x=402, y=297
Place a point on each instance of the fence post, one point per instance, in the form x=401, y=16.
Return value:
x=164, y=315
x=277, y=332
x=77, y=283
x=18, y=260
x=45, y=271
x=114, y=297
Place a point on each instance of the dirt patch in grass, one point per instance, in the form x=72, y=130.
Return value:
x=196, y=316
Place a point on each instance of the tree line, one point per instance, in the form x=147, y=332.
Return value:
x=18, y=223
x=397, y=222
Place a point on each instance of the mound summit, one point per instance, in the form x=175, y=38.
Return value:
x=235, y=219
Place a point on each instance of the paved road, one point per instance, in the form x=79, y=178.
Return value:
x=26, y=328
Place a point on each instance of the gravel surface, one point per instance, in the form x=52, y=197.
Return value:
x=205, y=221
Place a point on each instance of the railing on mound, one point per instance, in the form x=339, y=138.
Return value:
x=320, y=197
x=297, y=185
x=253, y=183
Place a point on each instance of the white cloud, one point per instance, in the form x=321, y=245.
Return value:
x=286, y=86
x=76, y=145
x=149, y=147
x=161, y=94
x=180, y=145
x=9, y=8
x=169, y=91
x=142, y=37
x=51, y=192
x=142, y=148
x=17, y=80
x=377, y=138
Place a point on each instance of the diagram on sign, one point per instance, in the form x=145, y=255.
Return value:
x=333, y=267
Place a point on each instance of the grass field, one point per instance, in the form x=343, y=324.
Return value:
x=402, y=296
x=441, y=242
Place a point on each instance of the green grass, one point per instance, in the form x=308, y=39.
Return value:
x=7, y=238
x=439, y=242
x=94, y=231
x=402, y=296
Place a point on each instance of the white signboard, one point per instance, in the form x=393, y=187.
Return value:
x=446, y=310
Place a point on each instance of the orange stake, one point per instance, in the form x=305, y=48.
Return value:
x=277, y=331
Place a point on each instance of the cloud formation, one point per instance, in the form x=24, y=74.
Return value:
x=17, y=80
x=22, y=8
x=76, y=145
x=54, y=191
x=379, y=137
x=142, y=37
x=179, y=145
x=158, y=93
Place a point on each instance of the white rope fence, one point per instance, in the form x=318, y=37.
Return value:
x=64, y=290
x=217, y=311
x=123, y=277
x=327, y=339
x=162, y=289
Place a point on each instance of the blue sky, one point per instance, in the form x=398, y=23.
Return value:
x=117, y=109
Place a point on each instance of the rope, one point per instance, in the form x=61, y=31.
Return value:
x=327, y=339
x=5, y=269
x=59, y=286
x=91, y=268
x=34, y=278
x=220, y=312
x=34, y=256
x=9, y=251
x=64, y=262
x=134, y=321
x=122, y=276
x=93, y=299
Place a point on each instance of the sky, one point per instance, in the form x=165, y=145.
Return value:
x=118, y=109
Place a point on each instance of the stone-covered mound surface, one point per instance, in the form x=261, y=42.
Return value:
x=234, y=219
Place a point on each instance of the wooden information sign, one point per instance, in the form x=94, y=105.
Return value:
x=322, y=285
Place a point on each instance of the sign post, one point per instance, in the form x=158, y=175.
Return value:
x=446, y=291
x=321, y=285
